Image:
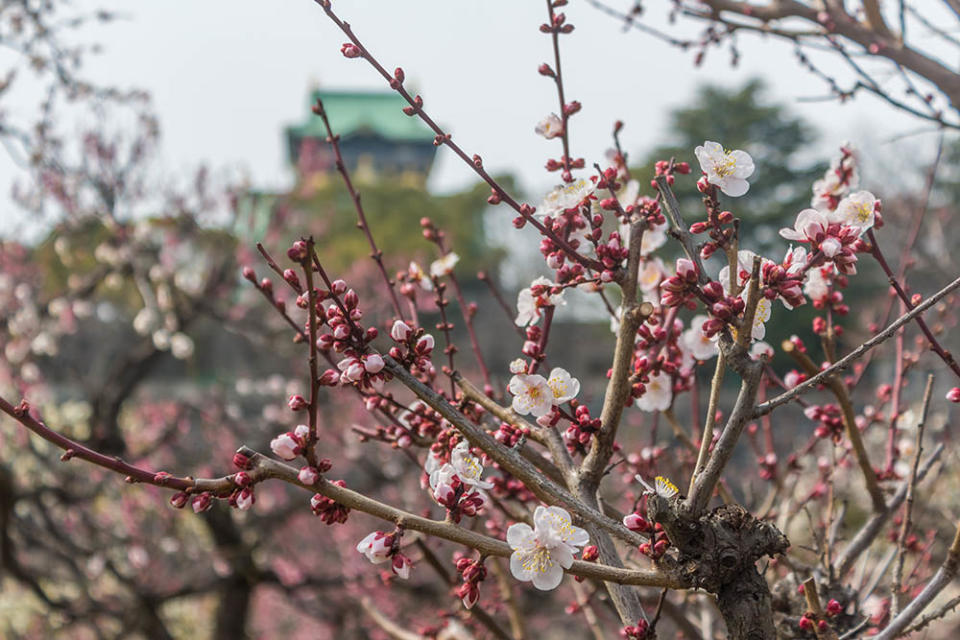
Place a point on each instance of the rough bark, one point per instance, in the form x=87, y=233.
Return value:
x=718, y=552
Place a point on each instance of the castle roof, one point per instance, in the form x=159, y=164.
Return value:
x=353, y=112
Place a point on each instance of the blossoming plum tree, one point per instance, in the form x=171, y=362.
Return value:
x=527, y=467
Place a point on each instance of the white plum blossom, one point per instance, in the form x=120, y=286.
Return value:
x=653, y=239
x=468, y=466
x=373, y=363
x=146, y=320
x=832, y=188
x=651, y=273
x=817, y=285
x=550, y=127
x=662, y=486
x=444, y=266
x=565, y=197
x=809, y=224
x=308, y=475
x=725, y=169
x=419, y=276
x=759, y=349
x=529, y=305
x=181, y=346
x=744, y=269
x=658, y=395
x=564, y=386
x=542, y=553
x=441, y=481
x=857, y=210
x=760, y=318
x=531, y=394
x=161, y=339
x=288, y=445
x=518, y=365
x=693, y=340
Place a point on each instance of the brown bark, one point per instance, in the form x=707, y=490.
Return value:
x=718, y=552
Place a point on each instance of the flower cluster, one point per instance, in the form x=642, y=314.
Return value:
x=291, y=444
x=639, y=631
x=830, y=420
x=540, y=554
x=414, y=348
x=533, y=394
x=531, y=300
x=579, y=434
x=473, y=573
x=329, y=511
x=457, y=485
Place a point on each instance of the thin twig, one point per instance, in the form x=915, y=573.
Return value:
x=853, y=356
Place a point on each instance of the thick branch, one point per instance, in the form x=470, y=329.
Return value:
x=742, y=413
x=618, y=387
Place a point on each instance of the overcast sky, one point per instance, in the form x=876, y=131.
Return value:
x=227, y=75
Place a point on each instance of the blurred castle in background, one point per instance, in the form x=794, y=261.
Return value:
x=380, y=146
x=377, y=140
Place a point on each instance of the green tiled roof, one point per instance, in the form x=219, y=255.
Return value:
x=352, y=112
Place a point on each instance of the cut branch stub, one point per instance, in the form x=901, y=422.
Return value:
x=718, y=552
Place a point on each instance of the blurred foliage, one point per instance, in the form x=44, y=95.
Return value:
x=393, y=209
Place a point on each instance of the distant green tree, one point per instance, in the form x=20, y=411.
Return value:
x=393, y=209
x=746, y=118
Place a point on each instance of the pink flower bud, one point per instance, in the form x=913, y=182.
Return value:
x=400, y=565
x=291, y=277
x=425, y=344
x=329, y=378
x=179, y=500
x=202, y=502
x=400, y=331
x=954, y=394
x=373, y=363
x=241, y=461
x=245, y=499
x=339, y=287
x=285, y=446
x=308, y=475
x=635, y=522
x=686, y=270
x=297, y=251
x=296, y=403
x=241, y=479
x=351, y=299
x=350, y=50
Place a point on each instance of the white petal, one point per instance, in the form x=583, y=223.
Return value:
x=550, y=579
x=520, y=536
x=734, y=187
x=517, y=568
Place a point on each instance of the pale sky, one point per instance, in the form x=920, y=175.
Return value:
x=227, y=75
